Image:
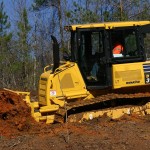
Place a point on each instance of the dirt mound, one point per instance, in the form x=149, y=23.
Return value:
x=15, y=115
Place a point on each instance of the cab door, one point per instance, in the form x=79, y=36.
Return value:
x=92, y=57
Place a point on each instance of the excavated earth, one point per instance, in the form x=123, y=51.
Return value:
x=18, y=130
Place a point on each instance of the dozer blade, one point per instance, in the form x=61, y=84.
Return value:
x=43, y=114
x=24, y=95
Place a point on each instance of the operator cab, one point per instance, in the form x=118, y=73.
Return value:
x=93, y=49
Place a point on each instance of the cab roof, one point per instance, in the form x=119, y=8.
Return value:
x=107, y=25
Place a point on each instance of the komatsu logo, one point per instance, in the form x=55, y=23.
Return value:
x=132, y=82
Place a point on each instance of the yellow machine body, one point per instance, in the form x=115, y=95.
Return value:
x=65, y=83
x=58, y=88
x=130, y=74
x=107, y=25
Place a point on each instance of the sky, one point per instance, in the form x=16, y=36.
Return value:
x=8, y=7
x=10, y=10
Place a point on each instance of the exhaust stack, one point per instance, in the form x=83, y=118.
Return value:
x=56, y=58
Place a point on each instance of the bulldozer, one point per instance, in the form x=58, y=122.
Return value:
x=92, y=81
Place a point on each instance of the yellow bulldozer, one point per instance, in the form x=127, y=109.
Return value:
x=93, y=80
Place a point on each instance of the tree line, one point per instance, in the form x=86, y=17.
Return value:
x=25, y=43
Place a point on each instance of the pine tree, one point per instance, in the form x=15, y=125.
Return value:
x=23, y=45
x=4, y=26
x=5, y=38
x=80, y=14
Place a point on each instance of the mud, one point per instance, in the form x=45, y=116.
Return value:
x=18, y=130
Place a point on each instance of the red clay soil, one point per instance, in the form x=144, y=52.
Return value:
x=14, y=114
x=18, y=130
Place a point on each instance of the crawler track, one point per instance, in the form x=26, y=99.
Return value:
x=104, y=102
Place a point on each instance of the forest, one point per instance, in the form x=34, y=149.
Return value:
x=25, y=36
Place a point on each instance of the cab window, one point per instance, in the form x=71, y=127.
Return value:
x=124, y=43
x=147, y=45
